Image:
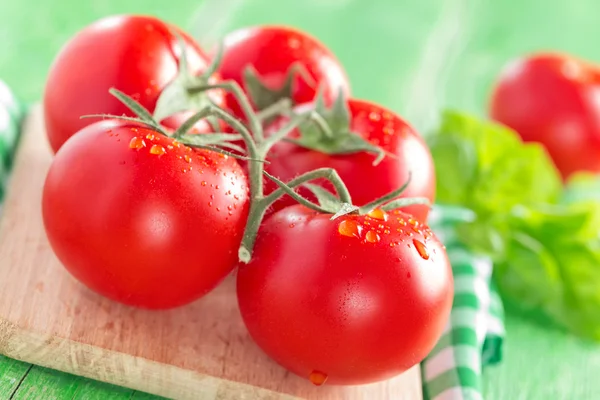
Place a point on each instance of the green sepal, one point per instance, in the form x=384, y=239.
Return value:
x=176, y=96
x=334, y=135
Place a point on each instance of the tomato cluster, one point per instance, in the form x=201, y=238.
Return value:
x=150, y=207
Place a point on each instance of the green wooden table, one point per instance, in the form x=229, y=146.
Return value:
x=414, y=56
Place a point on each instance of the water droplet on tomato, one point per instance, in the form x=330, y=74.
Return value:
x=317, y=378
x=292, y=225
x=137, y=143
x=392, y=244
x=421, y=249
x=294, y=42
x=217, y=187
x=388, y=131
x=187, y=158
x=378, y=214
x=374, y=116
x=412, y=221
x=203, y=183
x=212, y=196
x=150, y=136
x=210, y=203
x=157, y=150
x=349, y=228
x=386, y=231
x=218, y=208
x=176, y=143
x=372, y=237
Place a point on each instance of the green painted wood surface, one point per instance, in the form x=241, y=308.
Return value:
x=414, y=56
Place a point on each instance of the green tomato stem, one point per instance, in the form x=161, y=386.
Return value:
x=236, y=90
x=281, y=107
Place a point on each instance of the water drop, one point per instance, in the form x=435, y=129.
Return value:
x=374, y=116
x=137, y=143
x=203, y=183
x=378, y=214
x=294, y=43
x=187, y=158
x=372, y=237
x=349, y=228
x=317, y=378
x=150, y=136
x=292, y=225
x=421, y=249
x=157, y=149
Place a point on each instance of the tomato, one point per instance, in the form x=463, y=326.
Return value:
x=139, y=55
x=272, y=51
x=355, y=300
x=142, y=219
x=553, y=99
x=365, y=181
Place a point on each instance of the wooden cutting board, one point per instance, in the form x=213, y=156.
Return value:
x=201, y=351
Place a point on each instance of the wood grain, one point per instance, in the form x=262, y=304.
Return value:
x=201, y=351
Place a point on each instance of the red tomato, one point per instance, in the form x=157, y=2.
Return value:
x=272, y=51
x=355, y=300
x=365, y=181
x=135, y=54
x=142, y=219
x=553, y=99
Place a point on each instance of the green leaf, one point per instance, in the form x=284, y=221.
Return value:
x=552, y=264
x=486, y=167
x=544, y=240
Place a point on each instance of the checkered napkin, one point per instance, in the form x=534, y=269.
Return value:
x=10, y=126
x=474, y=334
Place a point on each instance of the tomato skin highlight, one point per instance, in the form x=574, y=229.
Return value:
x=365, y=181
x=136, y=54
x=272, y=51
x=319, y=296
x=141, y=219
x=552, y=98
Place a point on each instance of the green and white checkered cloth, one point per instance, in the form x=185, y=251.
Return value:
x=10, y=125
x=474, y=334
